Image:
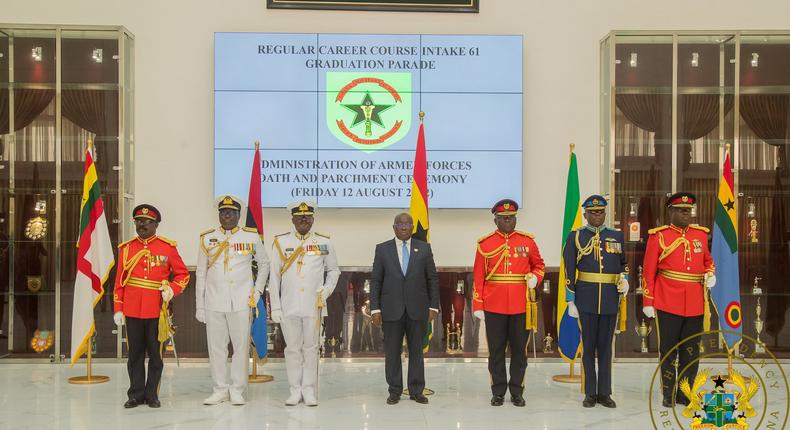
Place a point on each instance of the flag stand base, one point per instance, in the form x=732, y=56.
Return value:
x=425, y=392
x=571, y=378
x=255, y=378
x=89, y=378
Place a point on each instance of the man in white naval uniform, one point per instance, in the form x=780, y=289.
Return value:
x=304, y=273
x=225, y=293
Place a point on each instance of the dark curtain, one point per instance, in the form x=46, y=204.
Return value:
x=779, y=271
x=93, y=110
x=698, y=114
x=28, y=105
x=645, y=111
x=767, y=116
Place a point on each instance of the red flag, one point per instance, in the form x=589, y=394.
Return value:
x=254, y=211
x=418, y=207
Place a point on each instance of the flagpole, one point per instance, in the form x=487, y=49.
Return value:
x=571, y=377
x=89, y=377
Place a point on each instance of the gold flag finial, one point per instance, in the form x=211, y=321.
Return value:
x=728, y=147
x=257, y=144
x=573, y=146
x=422, y=116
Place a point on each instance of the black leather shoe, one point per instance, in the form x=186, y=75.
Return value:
x=393, y=399
x=680, y=399
x=518, y=401
x=589, y=401
x=153, y=403
x=419, y=398
x=132, y=403
x=606, y=401
x=667, y=402
x=497, y=400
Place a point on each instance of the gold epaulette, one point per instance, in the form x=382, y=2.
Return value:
x=127, y=242
x=657, y=229
x=211, y=230
x=486, y=236
x=250, y=230
x=282, y=234
x=325, y=236
x=529, y=235
x=699, y=227
x=168, y=241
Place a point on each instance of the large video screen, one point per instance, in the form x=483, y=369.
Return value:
x=337, y=116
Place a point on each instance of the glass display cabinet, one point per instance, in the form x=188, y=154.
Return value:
x=670, y=103
x=59, y=87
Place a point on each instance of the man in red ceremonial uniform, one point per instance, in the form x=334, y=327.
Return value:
x=677, y=269
x=507, y=268
x=150, y=270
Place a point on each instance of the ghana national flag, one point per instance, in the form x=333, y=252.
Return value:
x=726, y=294
x=418, y=207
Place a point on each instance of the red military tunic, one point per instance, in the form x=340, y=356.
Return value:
x=143, y=266
x=502, y=263
x=676, y=261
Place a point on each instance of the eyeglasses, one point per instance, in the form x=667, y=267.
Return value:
x=403, y=225
x=228, y=212
x=143, y=221
x=505, y=217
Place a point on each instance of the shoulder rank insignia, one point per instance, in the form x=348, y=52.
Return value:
x=486, y=237
x=168, y=241
x=325, y=236
x=250, y=230
x=282, y=234
x=211, y=230
x=657, y=229
x=529, y=235
x=127, y=242
x=699, y=227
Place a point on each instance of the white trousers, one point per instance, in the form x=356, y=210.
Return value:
x=301, y=353
x=220, y=328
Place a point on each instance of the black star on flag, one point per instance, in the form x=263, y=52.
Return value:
x=730, y=205
x=360, y=113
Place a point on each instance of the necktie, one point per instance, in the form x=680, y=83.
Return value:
x=405, y=260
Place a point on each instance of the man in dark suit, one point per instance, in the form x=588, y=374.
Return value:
x=404, y=296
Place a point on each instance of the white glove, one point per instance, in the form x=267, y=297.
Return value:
x=711, y=281
x=277, y=316
x=200, y=315
x=118, y=318
x=573, y=312
x=167, y=293
x=649, y=311
x=481, y=315
x=532, y=281
x=623, y=287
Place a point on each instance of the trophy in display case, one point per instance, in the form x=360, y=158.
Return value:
x=366, y=286
x=643, y=330
x=751, y=213
x=546, y=286
x=459, y=287
x=759, y=324
x=547, y=344
x=639, y=289
x=756, y=290
x=454, y=339
x=634, y=227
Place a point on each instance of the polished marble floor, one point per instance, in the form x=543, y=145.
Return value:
x=352, y=396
